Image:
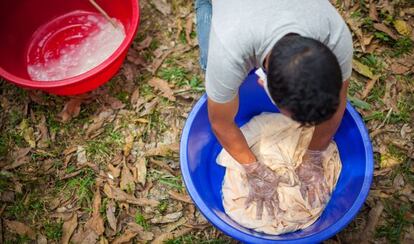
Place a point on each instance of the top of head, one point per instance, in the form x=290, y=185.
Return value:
x=304, y=78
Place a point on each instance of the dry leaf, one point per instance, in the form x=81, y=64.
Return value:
x=180, y=197
x=68, y=228
x=162, y=86
x=96, y=222
x=127, y=180
x=115, y=171
x=36, y=96
x=141, y=171
x=163, y=6
x=368, y=87
x=171, y=235
x=388, y=161
x=142, y=235
x=385, y=29
x=189, y=29
x=70, y=110
x=115, y=103
x=119, y=195
x=373, y=217
x=98, y=121
x=28, y=133
x=168, y=218
x=145, y=43
x=110, y=215
x=129, y=141
x=402, y=27
x=373, y=14
x=125, y=237
x=163, y=150
x=41, y=239
x=44, y=134
x=129, y=71
x=399, y=69
x=81, y=155
x=20, y=158
x=20, y=229
x=158, y=61
x=362, y=69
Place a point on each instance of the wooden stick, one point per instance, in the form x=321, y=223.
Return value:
x=96, y=5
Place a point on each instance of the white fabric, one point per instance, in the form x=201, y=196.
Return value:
x=280, y=143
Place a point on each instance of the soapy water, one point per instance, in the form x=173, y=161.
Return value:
x=77, y=58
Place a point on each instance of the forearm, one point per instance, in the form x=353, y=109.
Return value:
x=324, y=132
x=233, y=140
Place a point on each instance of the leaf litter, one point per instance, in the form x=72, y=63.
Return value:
x=129, y=121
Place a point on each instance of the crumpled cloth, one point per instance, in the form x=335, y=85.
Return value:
x=280, y=143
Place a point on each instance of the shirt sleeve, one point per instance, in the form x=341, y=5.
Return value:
x=225, y=72
x=343, y=49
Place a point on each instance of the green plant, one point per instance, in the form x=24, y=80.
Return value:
x=53, y=230
x=139, y=219
x=402, y=46
x=82, y=186
x=395, y=222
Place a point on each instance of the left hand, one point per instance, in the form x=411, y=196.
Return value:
x=313, y=187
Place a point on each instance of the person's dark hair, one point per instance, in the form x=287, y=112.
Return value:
x=304, y=78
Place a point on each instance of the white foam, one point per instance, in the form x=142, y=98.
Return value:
x=78, y=59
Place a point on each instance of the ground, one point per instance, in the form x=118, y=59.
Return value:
x=105, y=164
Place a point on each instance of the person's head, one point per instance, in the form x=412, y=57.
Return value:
x=304, y=79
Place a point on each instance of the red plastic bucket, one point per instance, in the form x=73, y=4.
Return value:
x=20, y=22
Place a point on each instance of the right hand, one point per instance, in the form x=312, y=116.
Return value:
x=263, y=184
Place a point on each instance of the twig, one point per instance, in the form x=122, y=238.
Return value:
x=96, y=5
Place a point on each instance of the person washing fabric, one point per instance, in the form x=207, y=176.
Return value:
x=303, y=52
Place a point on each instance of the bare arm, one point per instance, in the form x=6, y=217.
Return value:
x=227, y=132
x=324, y=132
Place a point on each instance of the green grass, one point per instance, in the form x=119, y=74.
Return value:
x=139, y=219
x=395, y=222
x=182, y=78
x=402, y=46
x=162, y=207
x=82, y=185
x=105, y=145
x=190, y=239
x=174, y=182
x=53, y=230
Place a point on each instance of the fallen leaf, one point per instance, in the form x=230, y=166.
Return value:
x=110, y=215
x=158, y=61
x=41, y=239
x=68, y=228
x=189, y=29
x=20, y=158
x=171, y=235
x=355, y=25
x=20, y=229
x=385, y=29
x=125, y=237
x=145, y=43
x=36, y=96
x=359, y=103
x=96, y=222
x=86, y=236
x=388, y=161
x=140, y=171
x=163, y=86
x=119, y=195
x=373, y=14
x=115, y=171
x=373, y=217
x=168, y=218
x=180, y=197
x=163, y=165
x=129, y=71
x=163, y=150
x=113, y=102
x=44, y=133
x=98, y=121
x=399, y=69
x=28, y=133
x=402, y=27
x=362, y=69
x=70, y=110
x=142, y=234
x=163, y=6
x=129, y=141
x=81, y=155
x=368, y=87
x=127, y=180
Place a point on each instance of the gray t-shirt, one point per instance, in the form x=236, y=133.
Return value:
x=243, y=32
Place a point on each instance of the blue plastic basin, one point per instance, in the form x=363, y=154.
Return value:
x=203, y=177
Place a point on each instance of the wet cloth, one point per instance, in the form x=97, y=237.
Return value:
x=280, y=143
